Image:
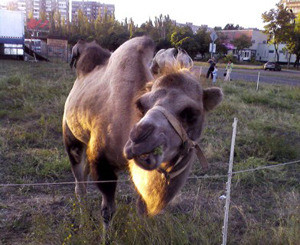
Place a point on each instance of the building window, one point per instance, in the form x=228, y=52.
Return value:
x=271, y=51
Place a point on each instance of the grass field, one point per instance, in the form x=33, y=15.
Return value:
x=265, y=207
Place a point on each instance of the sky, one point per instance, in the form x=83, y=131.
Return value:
x=200, y=12
x=246, y=13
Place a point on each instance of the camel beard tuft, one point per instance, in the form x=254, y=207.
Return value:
x=152, y=187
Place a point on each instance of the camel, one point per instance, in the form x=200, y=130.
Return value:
x=78, y=49
x=168, y=59
x=118, y=117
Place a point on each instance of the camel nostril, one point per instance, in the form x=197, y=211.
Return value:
x=141, y=132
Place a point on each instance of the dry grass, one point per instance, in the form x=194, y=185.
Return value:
x=265, y=204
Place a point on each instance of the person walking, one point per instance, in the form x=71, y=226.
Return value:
x=229, y=67
x=215, y=74
x=211, y=68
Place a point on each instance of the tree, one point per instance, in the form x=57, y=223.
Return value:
x=80, y=21
x=232, y=27
x=296, y=50
x=176, y=40
x=30, y=15
x=218, y=28
x=220, y=43
x=131, y=28
x=52, y=22
x=293, y=45
x=43, y=15
x=202, y=39
x=279, y=26
x=63, y=27
x=180, y=35
x=160, y=31
x=57, y=20
x=241, y=43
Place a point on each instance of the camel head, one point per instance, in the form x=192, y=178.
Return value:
x=153, y=140
x=167, y=59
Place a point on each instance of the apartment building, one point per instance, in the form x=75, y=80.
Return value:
x=91, y=9
x=62, y=6
x=34, y=8
x=31, y=7
x=294, y=5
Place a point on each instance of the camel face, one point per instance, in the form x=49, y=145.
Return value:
x=153, y=140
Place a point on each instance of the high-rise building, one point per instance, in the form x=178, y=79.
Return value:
x=294, y=5
x=50, y=5
x=35, y=8
x=91, y=9
x=31, y=7
x=62, y=6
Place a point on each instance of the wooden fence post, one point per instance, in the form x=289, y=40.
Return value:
x=200, y=73
x=257, y=83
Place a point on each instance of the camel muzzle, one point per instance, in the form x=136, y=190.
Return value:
x=187, y=145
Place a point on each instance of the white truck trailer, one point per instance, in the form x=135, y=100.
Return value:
x=11, y=34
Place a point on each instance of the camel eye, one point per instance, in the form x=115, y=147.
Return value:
x=189, y=115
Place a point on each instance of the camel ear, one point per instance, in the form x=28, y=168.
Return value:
x=211, y=98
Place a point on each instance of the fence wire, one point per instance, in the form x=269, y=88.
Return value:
x=129, y=180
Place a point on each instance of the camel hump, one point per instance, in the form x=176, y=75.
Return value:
x=144, y=43
x=138, y=48
x=81, y=41
x=92, y=56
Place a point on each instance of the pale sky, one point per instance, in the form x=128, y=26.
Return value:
x=246, y=13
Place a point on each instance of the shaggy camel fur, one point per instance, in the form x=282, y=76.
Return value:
x=166, y=59
x=114, y=120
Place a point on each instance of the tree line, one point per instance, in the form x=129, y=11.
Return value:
x=282, y=26
x=111, y=33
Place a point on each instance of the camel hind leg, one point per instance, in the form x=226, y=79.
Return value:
x=77, y=154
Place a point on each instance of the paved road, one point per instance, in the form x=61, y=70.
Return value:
x=286, y=77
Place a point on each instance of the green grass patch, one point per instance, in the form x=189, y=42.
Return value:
x=265, y=203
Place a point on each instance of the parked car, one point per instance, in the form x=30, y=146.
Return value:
x=272, y=66
x=248, y=59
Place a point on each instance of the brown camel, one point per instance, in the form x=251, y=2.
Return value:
x=78, y=50
x=170, y=58
x=114, y=119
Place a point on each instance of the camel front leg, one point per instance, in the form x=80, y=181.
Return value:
x=102, y=171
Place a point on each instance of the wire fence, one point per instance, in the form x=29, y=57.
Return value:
x=228, y=184
x=129, y=180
